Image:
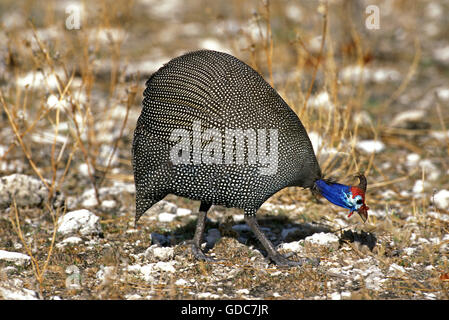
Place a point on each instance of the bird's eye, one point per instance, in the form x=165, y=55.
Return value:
x=359, y=201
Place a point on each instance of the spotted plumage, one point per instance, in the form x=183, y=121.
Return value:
x=215, y=104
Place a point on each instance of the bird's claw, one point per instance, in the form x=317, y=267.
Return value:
x=282, y=261
x=199, y=254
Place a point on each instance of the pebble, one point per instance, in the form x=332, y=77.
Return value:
x=19, y=259
x=181, y=212
x=396, y=269
x=108, y=204
x=18, y=294
x=324, y=239
x=165, y=266
x=373, y=278
x=420, y=186
x=83, y=221
x=370, y=146
x=69, y=240
x=441, y=199
x=181, y=282
x=335, y=296
x=166, y=217
x=156, y=252
x=242, y=291
x=27, y=191
x=294, y=246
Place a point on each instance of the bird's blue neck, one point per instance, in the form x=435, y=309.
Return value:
x=336, y=193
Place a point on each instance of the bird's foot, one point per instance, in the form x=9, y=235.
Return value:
x=199, y=254
x=282, y=261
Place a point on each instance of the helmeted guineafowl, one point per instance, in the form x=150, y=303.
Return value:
x=212, y=129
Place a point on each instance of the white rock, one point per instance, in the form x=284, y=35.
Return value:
x=69, y=240
x=108, y=204
x=166, y=217
x=429, y=268
x=203, y=295
x=441, y=199
x=90, y=202
x=165, y=266
x=441, y=136
x=430, y=296
x=420, y=186
x=335, y=296
x=147, y=272
x=35, y=80
x=442, y=54
x=17, y=258
x=356, y=73
x=82, y=221
x=412, y=160
x=370, y=146
x=53, y=102
x=242, y=291
x=157, y=252
x=374, y=278
x=396, y=269
x=18, y=294
x=346, y=295
x=324, y=239
x=294, y=246
x=443, y=93
x=181, y=282
x=83, y=169
x=409, y=251
x=27, y=190
x=384, y=75
x=181, y=212
x=439, y=216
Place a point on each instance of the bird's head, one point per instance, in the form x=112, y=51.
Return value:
x=349, y=197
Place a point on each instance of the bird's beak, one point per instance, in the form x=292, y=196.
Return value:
x=363, y=212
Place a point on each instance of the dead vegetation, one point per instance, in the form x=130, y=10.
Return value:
x=70, y=99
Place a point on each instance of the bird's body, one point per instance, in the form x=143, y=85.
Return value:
x=212, y=129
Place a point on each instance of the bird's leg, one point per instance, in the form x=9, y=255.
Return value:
x=279, y=259
x=199, y=232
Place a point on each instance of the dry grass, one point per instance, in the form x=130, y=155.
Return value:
x=82, y=110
